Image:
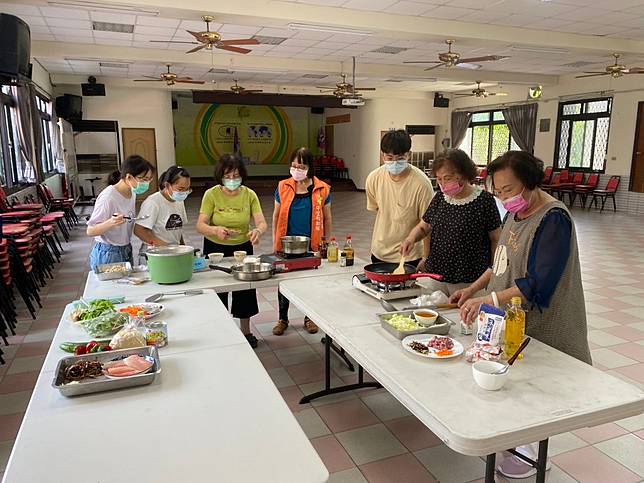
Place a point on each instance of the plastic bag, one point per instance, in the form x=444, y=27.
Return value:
x=130, y=336
x=436, y=298
x=489, y=336
x=104, y=325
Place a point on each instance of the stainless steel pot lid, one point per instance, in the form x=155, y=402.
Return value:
x=170, y=251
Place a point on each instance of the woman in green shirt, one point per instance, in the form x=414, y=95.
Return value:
x=224, y=221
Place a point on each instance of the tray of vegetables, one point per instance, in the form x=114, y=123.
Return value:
x=401, y=324
x=85, y=310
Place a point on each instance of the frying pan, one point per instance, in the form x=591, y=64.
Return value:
x=383, y=272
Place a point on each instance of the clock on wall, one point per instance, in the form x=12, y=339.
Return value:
x=535, y=92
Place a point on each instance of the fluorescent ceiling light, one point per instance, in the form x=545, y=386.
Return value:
x=96, y=59
x=256, y=71
x=122, y=28
x=98, y=6
x=538, y=50
x=327, y=28
x=467, y=65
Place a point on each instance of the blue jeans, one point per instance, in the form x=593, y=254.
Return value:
x=103, y=253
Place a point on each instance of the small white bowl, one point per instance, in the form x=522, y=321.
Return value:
x=215, y=257
x=482, y=372
x=239, y=255
x=422, y=317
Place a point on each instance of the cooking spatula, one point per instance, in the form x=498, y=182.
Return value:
x=400, y=270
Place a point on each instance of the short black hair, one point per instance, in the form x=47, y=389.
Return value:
x=230, y=162
x=526, y=167
x=304, y=156
x=396, y=142
x=171, y=175
x=459, y=161
x=135, y=165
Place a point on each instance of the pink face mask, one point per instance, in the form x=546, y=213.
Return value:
x=451, y=189
x=299, y=174
x=516, y=204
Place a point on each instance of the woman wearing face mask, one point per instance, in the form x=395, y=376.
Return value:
x=224, y=220
x=537, y=259
x=111, y=222
x=462, y=224
x=302, y=208
x=164, y=211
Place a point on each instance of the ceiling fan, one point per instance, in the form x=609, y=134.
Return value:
x=343, y=89
x=451, y=59
x=170, y=78
x=615, y=70
x=479, y=91
x=207, y=40
x=237, y=89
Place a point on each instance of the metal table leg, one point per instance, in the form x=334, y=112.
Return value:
x=490, y=468
x=542, y=460
x=342, y=354
x=328, y=344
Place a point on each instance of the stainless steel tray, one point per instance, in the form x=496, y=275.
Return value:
x=102, y=275
x=104, y=383
x=441, y=327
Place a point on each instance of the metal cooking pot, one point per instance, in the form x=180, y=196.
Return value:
x=170, y=264
x=295, y=245
x=249, y=272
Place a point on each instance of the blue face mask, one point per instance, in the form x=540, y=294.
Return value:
x=141, y=188
x=179, y=195
x=232, y=184
x=396, y=167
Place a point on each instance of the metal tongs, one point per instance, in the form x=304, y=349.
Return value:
x=158, y=296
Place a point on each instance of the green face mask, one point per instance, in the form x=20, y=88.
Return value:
x=141, y=187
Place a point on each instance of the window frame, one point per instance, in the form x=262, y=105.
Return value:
x=9, y=142
x=582, y=116
x=491, y=122
x=47, y=161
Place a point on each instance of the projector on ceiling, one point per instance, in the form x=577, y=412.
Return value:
x=353, y=101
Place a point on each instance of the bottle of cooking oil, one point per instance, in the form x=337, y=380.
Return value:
x=332, y=250
x=514, y=327
x=348, y=250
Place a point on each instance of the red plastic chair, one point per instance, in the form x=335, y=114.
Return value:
x=569, y=187
x=482, y=177
x=583, y=189
x=554, y=183
x=608, y=192
x=547, y=174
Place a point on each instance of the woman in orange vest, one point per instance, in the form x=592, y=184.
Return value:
x=302, y=208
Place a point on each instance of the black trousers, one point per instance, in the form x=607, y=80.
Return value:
x=410, y=262
x=283, y=303
x=244, y=301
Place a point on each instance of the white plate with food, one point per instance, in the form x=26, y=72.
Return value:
x=149, y=309
x=432, y=346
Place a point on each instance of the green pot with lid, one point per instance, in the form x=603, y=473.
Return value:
x=170, y=264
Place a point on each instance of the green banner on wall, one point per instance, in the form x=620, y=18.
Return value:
x=263, y=135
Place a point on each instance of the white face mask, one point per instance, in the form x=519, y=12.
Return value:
x=396, y=167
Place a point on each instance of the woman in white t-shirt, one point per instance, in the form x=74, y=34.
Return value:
x=165, y=211
x=111, y=223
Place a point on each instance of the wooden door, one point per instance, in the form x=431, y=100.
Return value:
x=637, y=166
x=328, y=140
x=142, y=141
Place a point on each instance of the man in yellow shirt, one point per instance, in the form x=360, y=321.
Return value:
x=400, y=194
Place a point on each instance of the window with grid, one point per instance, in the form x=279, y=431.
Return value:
x=582, y=134
x=10, y=168
x=487, y=138
x=47, y=162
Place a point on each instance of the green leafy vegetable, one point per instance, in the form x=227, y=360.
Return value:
x=106, y=324
x=402, y=323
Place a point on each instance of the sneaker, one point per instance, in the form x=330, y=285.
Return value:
x=252, y=340
x=280, y=328
x=310, y=326
x=516, y=468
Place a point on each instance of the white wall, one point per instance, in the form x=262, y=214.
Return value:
x=627, y=92
x=134, y=108
x=358, y=142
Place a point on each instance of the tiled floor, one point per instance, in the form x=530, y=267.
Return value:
x=368, y=435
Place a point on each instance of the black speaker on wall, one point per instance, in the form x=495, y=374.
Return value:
x=440, y=101
x=92, y=88
x=15, y=47
x=69, y=107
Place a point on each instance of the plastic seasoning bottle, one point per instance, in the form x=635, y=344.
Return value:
x=514, y=327
x=332, y=251
x=323, y=248
x=348, y=250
